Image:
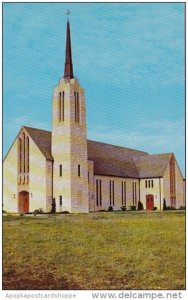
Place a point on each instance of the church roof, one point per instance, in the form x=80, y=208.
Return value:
x=152, y=165
x=113, y=160
x=110, y=160
x=42, y=139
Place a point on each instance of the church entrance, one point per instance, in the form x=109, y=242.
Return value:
x=149, y=202
x=23, y=202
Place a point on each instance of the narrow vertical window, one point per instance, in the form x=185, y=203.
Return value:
x=75, y=106
x=152, y=183
x=146, y=183
x=172, y=182
x=28, y=154
x=111, y=192
x=78, y=170
x=20, y=155
x=63, y=106
x=60, y=170
x=60, y=107
x=135, y=194
x=98, y=192
x=78, y=108
x=23, y=152
x=60, y=200
x=123, y=193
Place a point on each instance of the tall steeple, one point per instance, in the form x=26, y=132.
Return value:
x=68, y=71
x=69, y=141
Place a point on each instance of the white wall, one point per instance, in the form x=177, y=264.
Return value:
x=69, y=149
x=91, y=186
x=156, y=191
x=49, y=173
x=179, y=186
x=37, y=179
x=117, y=192
x=10, y=199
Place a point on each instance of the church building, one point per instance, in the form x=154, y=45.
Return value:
x=64, y=168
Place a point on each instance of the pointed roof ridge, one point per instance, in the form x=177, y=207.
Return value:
x=42, y=138
x=119, y=147
x=68, y=70
x=152, y=166
x=158, y=154
x=34, y=128
x=109, y=160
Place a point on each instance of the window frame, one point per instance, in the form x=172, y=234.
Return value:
x=79, y=170
x=98, y=192
x=60, y=170
x=60, y=200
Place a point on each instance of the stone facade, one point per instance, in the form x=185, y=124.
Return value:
x=113, y=185
x=179, y=186
x=69, y=148
x=152, y=186
x=37, y=179
x=10, y=180
x=36, y=182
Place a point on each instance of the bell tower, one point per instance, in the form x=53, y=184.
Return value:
x=69, y=140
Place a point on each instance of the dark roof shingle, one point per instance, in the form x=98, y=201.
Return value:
x=110, y=160
x=113, y=160
x=152, y=165
x=42, y=139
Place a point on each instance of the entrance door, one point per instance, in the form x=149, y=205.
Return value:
x=149, y=202
x=23, y=202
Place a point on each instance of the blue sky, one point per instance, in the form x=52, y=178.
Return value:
x=129, y=57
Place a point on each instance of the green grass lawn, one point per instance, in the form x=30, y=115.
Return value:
x=115, y=250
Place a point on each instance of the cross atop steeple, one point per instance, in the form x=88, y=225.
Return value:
x=68, y=13
x=68, y=71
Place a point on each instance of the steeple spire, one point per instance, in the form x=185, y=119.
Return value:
x=68, y=71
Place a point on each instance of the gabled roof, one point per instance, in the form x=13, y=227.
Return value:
x=113, y=160
x=110, y=160
x=98, y=149
x=42, y=139
x=152, y=165
x=116, y=168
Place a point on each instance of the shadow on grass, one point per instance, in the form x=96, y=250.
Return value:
x=46, y=281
